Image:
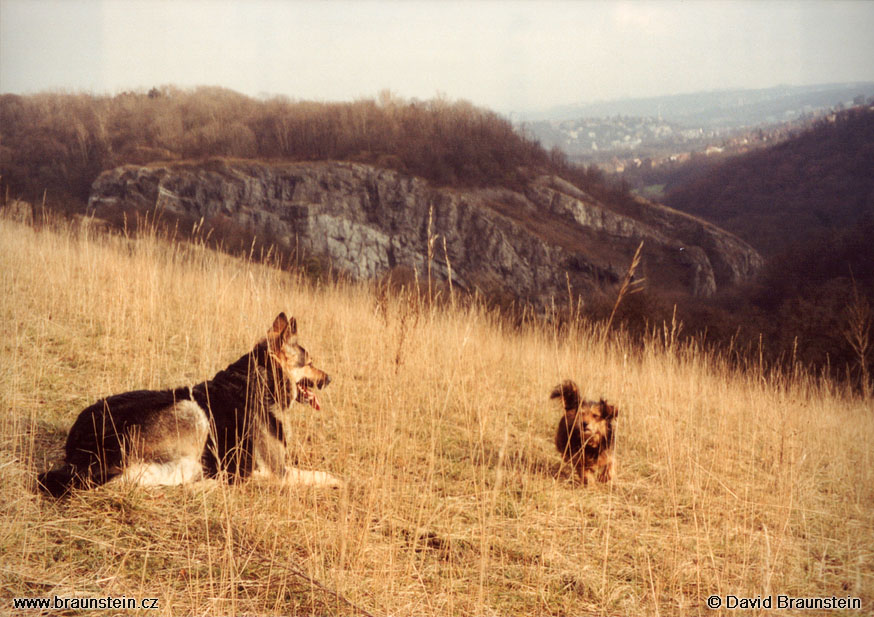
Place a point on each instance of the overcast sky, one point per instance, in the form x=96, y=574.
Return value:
x=509, y=55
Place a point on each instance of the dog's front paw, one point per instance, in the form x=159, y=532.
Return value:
x=306, y=477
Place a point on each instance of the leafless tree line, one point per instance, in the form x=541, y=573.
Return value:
x=61, y=141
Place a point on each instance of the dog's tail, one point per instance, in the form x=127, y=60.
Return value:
x=569, y=394
x=59, y=482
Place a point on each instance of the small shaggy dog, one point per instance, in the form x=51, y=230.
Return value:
x=585, y=433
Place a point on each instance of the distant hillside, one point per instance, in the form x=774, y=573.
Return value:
x=723, y=108
x=641, y=136
x=808, y=205
x=819, y=181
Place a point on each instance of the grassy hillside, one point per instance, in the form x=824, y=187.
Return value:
x=456, y=504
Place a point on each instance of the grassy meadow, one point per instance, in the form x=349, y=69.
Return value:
x=726, y=481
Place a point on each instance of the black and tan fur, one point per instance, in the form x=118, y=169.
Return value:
x=229, y=426
x=585, y=433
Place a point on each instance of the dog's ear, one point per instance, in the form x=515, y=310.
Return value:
x=280, y=323
x=282, y=331
x=608, y=411
x=569, y=394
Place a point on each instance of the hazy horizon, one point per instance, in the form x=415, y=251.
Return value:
x=509, y=56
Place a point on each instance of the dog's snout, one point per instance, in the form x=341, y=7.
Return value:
x=324, y=382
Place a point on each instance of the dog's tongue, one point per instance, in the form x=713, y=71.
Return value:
x=314, y=401
x=311, y=398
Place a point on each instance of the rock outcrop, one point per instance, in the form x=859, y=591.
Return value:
x=367, y=220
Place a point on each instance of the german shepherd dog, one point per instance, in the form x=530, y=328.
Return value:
x=585, y=433
x=229, y=425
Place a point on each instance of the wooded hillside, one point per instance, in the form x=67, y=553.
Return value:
x=808, y=205
x=61, y=142
x=820, y=181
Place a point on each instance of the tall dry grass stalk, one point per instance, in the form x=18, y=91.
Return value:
x=629, y=285
x=726, y=483
x=858, y=335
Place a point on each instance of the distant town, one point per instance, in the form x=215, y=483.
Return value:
x=619, y=143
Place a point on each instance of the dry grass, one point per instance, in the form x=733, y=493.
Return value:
x=456, y=504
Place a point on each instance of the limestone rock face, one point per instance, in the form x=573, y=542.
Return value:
x=367, y=220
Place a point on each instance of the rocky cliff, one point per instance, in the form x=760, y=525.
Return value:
x=366, y=221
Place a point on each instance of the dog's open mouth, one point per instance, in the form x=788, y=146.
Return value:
x=306, y=394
